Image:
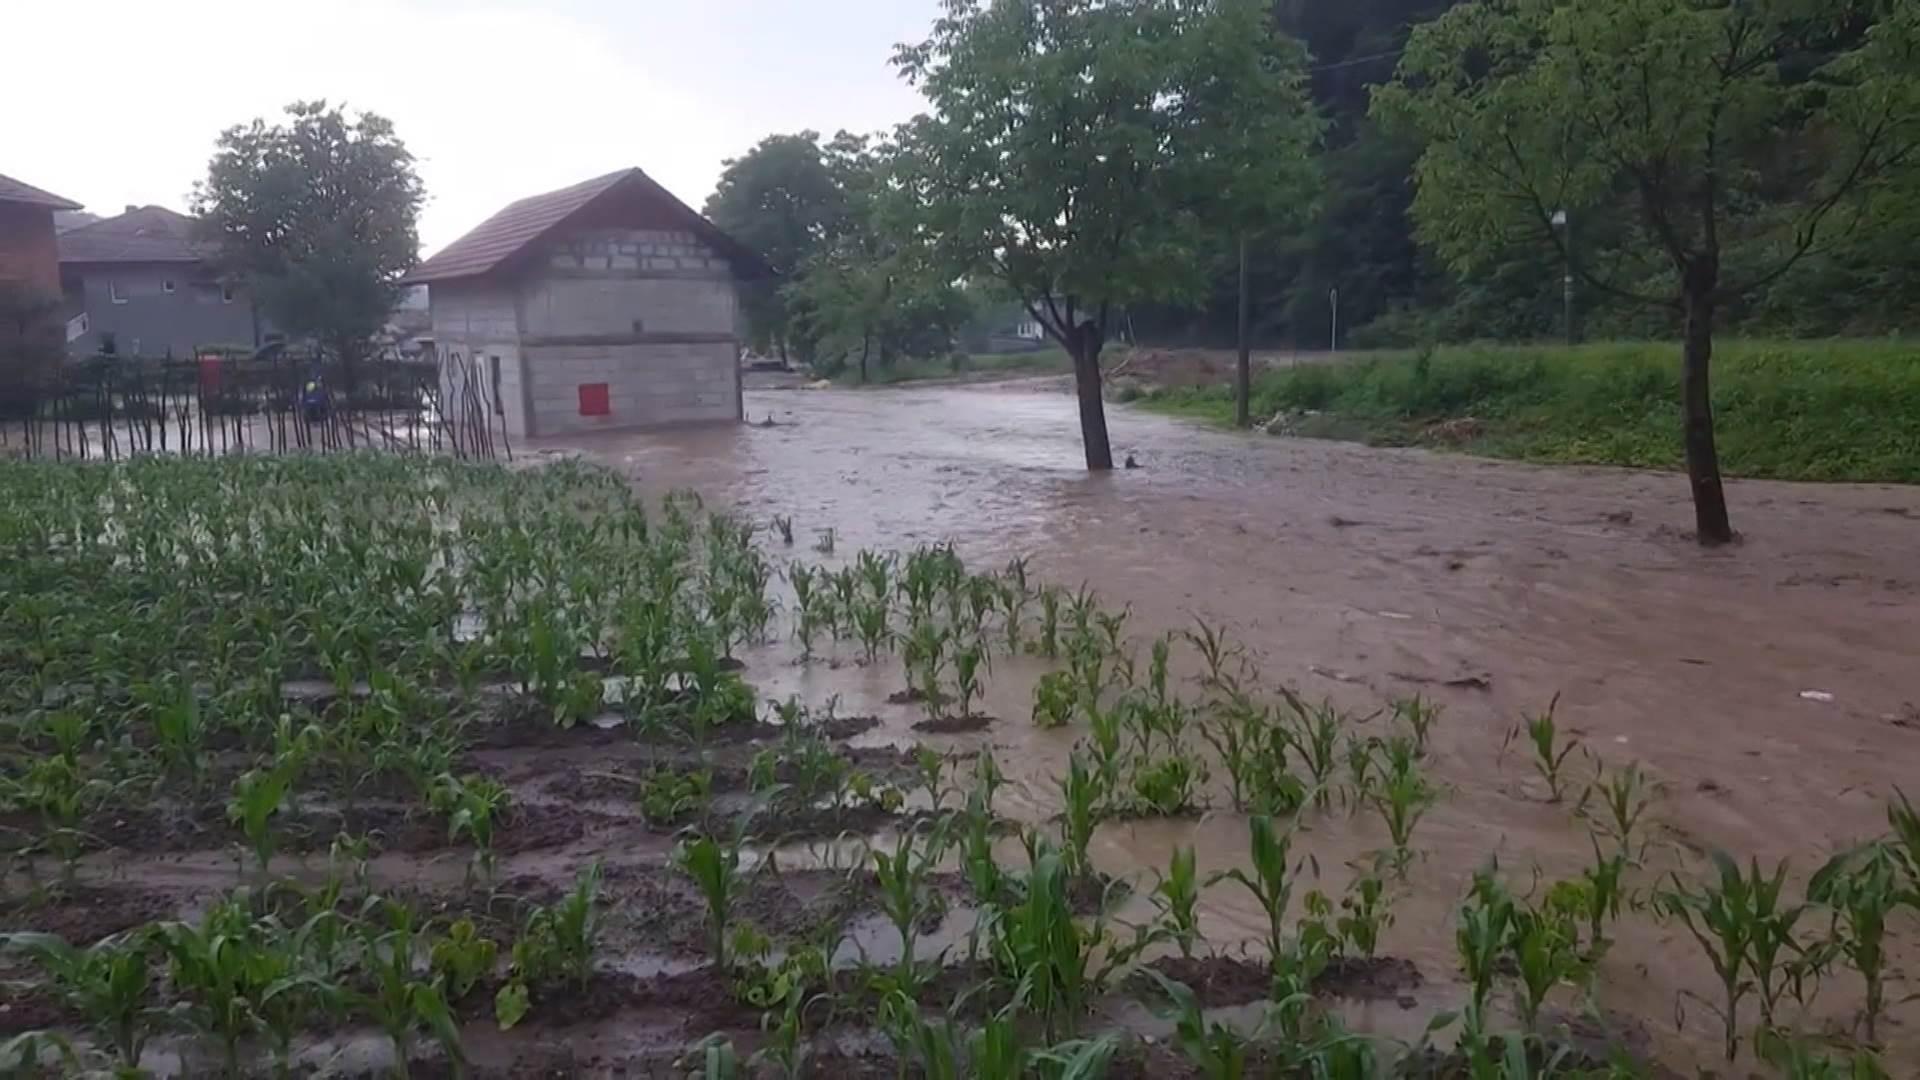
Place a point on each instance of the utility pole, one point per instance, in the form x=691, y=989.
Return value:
x=1243, y=372
x=1563, y=220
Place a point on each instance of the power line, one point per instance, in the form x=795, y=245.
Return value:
x=1351, y=61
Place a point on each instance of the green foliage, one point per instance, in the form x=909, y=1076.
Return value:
x=1792, y=411
x=108, y=983
x=1087, y=199
x=668, y=795
x=779, y=199
x=714, y=868
x=1746, y=932
x=321, y=257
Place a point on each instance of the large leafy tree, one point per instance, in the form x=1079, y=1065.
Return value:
x=1720, y=141
x=320, y=214
x=874, y=287
x=780, y=199
x=1068, y=153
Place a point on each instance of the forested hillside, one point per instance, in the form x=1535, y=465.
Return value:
x=1361, y=240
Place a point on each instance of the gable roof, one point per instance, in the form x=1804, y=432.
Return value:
x=14, y=191
x=497, y=240
x=143, y=234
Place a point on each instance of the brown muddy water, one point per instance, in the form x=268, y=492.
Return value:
x=1772, y=688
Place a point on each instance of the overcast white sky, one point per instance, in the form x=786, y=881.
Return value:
x=498, y=99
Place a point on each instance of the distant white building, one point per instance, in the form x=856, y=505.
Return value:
x=609, y=304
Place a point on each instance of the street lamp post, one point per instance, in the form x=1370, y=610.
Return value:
x=1562, y=220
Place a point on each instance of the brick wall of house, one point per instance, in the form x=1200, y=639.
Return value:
x=28, y=252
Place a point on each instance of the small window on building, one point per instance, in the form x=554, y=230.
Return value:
x=166, y=285
x=226, y=294
x=114, y=294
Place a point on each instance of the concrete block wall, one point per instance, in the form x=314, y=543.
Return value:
x=628, y=306
x=648, y=385
x=478, y=322
x=659, y=251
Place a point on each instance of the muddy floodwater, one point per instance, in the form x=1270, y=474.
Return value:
x=1772, y=688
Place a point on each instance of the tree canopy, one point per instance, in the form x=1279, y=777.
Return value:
x=1715, y=144
x=1069, y=153
x=319, y=214
x=780, y=199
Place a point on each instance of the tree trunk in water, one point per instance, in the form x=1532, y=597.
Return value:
x=866, y=346
x=1243, y=370
x=1093, y=411
x=1703, y=461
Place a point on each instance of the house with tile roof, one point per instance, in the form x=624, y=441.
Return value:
x=606, y=305
x=149, y=284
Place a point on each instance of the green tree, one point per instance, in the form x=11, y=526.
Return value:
x=1733, y=135
x=319, y=215
x=780, y=199
x=874, y=285
x=1066, y=154
x=1248, y=114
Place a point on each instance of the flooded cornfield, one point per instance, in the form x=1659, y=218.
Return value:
x=877, y=738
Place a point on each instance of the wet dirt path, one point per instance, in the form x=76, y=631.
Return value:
x=1363, y=574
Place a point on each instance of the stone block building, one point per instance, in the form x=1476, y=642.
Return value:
x=606, y=305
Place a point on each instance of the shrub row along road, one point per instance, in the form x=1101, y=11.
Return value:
x=1362, y=574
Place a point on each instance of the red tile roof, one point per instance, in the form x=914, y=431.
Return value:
x=143, y=234
x=12, y=190
x=506, y=234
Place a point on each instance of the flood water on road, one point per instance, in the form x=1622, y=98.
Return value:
x=1772, y=688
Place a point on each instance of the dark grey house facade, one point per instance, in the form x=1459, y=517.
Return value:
x=142, y=282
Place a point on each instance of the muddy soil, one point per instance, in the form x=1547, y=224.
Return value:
x=1770, y=687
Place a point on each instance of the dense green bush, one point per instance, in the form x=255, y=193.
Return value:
x=1832, y=410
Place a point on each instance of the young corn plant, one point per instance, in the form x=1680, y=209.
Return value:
x=871, y=625
x=400, y=1001
x=473, y=807
x=1047, y=642
x=1860, y=889
x=1739, y=922
x=1549, y=752
x=714, y=869
x=1271, y=881
x=258, y=795
x=1482, y=928
x=108, y=983
x=1218, y=653
x=1316, y=737
x=907, y=897
x=1402, y=796
x=1218, y=1051
x=1364, y=914
x=1419, y=715
x=1613, y=806
x=1083, y=796
x=1543, y=952
x=1176, y=898
x=966, y=676
x=809, y=604
x=1036, y=946
x=556, y=943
